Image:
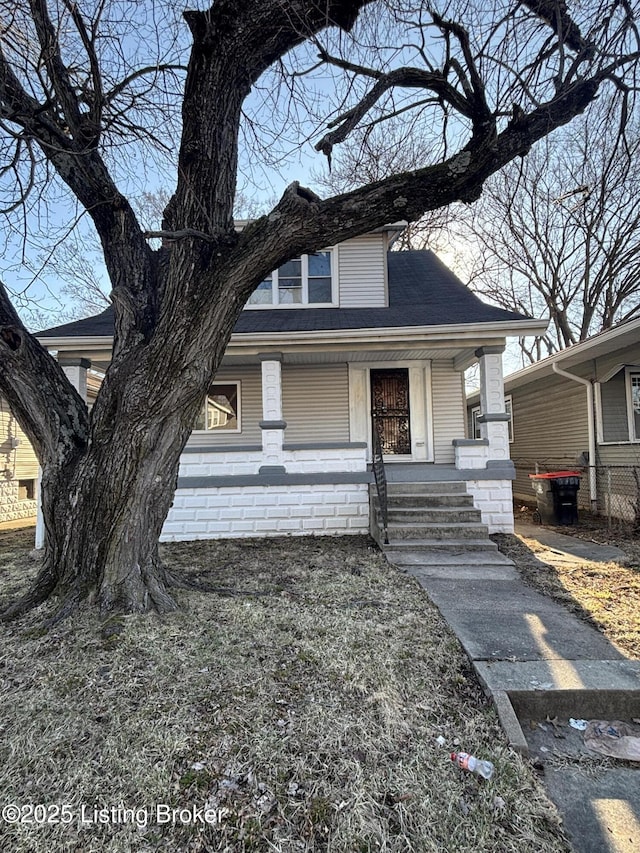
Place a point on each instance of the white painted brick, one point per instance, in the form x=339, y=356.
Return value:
x=217, y=527
x=253, y=512
x=231, y=513
x=288, y=499
x=351, y=509
x=312, y=524
x=288, y=524
x=172, y=527
x=206, y=514
x=214, y=500
x=183, y=514
x=277, y=512
x=335, y=524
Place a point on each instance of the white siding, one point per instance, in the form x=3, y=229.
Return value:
x=448, y=409
x=362, y=272
x=315, y=402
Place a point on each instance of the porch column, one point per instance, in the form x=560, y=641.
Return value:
x=76, y=372
x=493, y=418
x=272, y=425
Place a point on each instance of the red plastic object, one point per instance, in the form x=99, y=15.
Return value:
x=552, y=475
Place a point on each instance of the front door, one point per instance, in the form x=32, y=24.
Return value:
x=390, y=409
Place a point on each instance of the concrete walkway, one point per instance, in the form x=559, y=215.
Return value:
x=538, y=660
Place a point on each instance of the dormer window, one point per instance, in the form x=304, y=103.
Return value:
x=308, y=280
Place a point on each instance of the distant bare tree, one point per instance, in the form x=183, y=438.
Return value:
x=559, y=232
x=94, y=94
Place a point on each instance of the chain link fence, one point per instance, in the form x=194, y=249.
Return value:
x=617, y=487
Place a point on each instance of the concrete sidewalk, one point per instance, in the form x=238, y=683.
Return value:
x=538, y=660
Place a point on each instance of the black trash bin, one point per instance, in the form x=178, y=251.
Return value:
x=557, y=496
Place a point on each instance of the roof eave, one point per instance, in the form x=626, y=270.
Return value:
x=606, y=342
x=461, y=331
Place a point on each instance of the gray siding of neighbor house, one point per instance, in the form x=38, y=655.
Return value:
x=615, y=423
x=550, y=428
x=362, y=272
x=448, y=409
x=315, y=402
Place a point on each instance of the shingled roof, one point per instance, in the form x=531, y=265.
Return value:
x=422, y=292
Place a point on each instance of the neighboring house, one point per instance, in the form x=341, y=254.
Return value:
x=284, y=441
x=19, y=465
x=18, y=471
x=580, y=409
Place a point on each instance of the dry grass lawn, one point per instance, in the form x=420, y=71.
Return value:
x=605, y=594
x=302, y=705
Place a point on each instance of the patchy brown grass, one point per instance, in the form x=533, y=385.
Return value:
x=306, y=701
x=605, y=594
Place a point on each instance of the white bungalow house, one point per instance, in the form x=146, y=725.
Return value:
x=326, y=343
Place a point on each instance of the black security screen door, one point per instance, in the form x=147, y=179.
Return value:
x=390, y=410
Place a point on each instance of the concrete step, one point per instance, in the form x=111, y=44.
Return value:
x=454, y=487
x=433, y=515
x=435, y=531
x=427, y=500
x=445, y=558
x=439, y=546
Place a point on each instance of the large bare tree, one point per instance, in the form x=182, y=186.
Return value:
x=488, y=83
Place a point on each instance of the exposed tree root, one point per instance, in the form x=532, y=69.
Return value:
x=40, y=590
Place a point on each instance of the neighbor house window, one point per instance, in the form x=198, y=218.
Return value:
x=26, y=490
x=221, y=409
x=475, y=426
x=307, y=280
x=475, y=414
x=633, y=397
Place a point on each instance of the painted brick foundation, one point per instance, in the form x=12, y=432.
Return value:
x=495, y=501
x=11, y=507
x=232, y=512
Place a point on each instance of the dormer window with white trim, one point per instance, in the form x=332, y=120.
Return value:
x=305, y=281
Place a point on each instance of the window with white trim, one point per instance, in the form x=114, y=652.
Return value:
x=307, y=280
x=475, y=414
x=221, y=409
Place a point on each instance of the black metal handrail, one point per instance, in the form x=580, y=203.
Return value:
x=380, y=476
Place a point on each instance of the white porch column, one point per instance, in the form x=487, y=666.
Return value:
x=76, y=371
x=272, y=424
x=493, y=418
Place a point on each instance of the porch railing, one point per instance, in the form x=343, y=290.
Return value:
x=380, y=478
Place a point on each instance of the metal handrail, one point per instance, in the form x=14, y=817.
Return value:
x=380, y=476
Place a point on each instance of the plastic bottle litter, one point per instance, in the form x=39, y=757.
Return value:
x=473, y=764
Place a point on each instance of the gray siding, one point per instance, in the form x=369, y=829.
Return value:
x=362, y=272
x=315, y=402
x=615, y=422
x=549, y=427
x=448, y=409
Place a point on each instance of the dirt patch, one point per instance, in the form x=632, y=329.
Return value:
x=304, y=706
